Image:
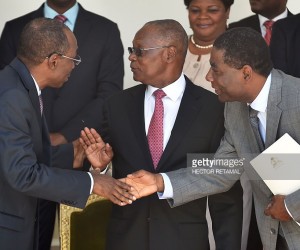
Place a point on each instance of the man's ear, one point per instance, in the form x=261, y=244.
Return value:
x=171, y=53
x=52, y=61
x=247, y=72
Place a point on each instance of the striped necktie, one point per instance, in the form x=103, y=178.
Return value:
x=61, y=18
x=268, y=24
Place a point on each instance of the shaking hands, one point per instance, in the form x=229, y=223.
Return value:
x=123, y=191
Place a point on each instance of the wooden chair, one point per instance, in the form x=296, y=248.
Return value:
x=85, y=229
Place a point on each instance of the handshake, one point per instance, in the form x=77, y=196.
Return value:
x=123, y=191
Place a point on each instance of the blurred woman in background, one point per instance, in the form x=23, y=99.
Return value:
x=208, y=19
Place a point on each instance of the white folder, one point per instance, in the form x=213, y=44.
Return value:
x=279, y=166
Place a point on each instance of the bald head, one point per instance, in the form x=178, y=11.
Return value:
x=158, y=52
x=169, y=32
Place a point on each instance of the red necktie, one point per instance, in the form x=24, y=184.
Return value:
x=41, y=104
x=155, y=131
x=268, y=24
x=61, y=18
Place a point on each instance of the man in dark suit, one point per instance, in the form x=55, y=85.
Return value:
x=284, y=47
x=47, y=54
x=264, y=10
x=192, y=122
x=79, y=102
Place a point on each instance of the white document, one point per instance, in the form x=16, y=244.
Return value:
x=279, y=166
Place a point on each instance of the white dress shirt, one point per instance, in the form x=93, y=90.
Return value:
x=262, y=19
x=171, y=101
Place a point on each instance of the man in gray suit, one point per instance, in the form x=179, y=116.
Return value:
x=242, y=75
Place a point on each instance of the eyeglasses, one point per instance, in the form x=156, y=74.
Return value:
x=139, y=51
x=76, y=60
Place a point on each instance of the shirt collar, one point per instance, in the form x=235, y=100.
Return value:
x=261, y=101
x=262, y=19
x=36, y=86
x=71, y=14
x=173, y=90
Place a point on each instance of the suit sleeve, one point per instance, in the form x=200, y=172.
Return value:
x=226, y=208
x=292, y=202
x=63, y=156
x=188, y=186
x=20, y=147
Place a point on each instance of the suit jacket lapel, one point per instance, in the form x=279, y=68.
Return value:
x=137, y=122
x=82, y=26
x=256, y=24
x=273, y=110
x=38, y=13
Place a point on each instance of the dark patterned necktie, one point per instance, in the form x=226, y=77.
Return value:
x=254, y=121
x=268, y=24
x=155, y=132
x=61, y=18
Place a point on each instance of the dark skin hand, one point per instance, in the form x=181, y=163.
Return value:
x=144, y=183
x=97, y=151
x=118, y=192
x=276, y=209
x=57, y=139
x=79, y=154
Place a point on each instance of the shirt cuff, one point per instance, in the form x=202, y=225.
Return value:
x=290, y=213
x=100, y=172
x=168, y=191
x=92, y=182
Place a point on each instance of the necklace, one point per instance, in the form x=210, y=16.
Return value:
x=199, y=46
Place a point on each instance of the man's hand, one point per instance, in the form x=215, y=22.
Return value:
x=57, y=139
x=144, y=183
x=116, y=191
x=98, y=153
x=79, y=154
x=276, y=209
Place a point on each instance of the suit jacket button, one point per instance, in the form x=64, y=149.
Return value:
x=273, y=231
x=148, y=219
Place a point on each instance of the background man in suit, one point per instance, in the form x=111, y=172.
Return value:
x=284, y=47
x=265, y=10
x=192, y=122
x=47, y=54
x=79, y=102
x=242, y=75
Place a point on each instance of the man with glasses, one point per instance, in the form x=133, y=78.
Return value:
x=80, y=101
x=153, y=126
x=26, y=174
